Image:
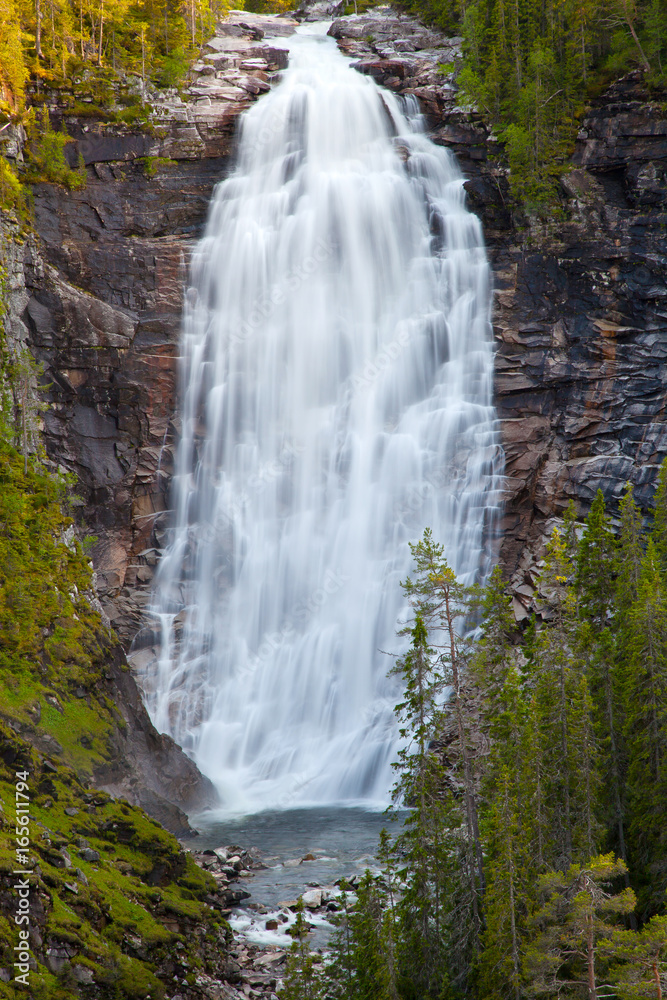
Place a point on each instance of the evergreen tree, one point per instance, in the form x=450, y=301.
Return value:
x=596, y=565
x=509, y=836
x=639, y=967
x=301, y=980
x=659, y=533
x=444, y=604
x=629, y=552
x=563, y=712
x=580, y=910
x=646, y=731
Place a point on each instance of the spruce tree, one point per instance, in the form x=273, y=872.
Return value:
x=596, y=565
x=509, y=835
x=646, y=732
x=301, y=980
x=562, y=707
x=579, y=911
x=659, y=533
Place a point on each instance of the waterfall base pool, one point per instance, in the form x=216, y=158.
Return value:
x=344, y=842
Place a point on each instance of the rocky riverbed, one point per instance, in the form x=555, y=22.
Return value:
x=263, y=933
x=300, y=854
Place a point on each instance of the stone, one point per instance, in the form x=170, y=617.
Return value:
x=312, y=900
x=89, y=854
x=271, y=925
x=82, y=974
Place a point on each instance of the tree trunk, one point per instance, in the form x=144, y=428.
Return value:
x=469, y=792
x=628, y=21
x=656, y=975
x=99, y=50
x=566, y=766
x=38, y=29
x=590, y=955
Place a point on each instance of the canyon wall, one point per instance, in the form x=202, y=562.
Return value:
x=580, y=316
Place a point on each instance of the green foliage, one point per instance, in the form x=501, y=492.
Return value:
x=123, y=915
x=173, y=68
x=638, y=960
x=530, y=68
x=300, y=974
x=13, y=195
x=550, y=746
x=105, y=911
x=151, y=164
x=13, y=71
x=47, y=156
x=580, y=910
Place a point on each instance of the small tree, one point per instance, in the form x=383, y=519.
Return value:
x=301, y=980
x=579, y=912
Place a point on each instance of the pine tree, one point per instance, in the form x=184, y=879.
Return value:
x=630, y=551
x=431, y=833
x=646, y=731
x=596, y=564
x=639, y=969
x=509, y=835
x=301, y=980
x=659, y=533
x=579, y=911
x=444, y=605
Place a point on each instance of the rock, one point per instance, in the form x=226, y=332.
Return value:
x=88, y=854
x=312, y=900
x=319, y=10
x=308, y=857
x=82, y=975
x=271, y=925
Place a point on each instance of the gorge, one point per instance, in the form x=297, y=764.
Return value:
x=97, y=292
x=590, y=285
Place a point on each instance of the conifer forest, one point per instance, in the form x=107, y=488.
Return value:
x=333, y=500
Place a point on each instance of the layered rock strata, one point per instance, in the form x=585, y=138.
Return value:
x=104, y=285
x=579, y=316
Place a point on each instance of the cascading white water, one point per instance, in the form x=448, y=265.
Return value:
x=337, y=398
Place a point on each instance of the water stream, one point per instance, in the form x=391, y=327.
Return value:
x=336, y=382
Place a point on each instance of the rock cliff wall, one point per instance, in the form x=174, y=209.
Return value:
x=580, y=305
x=104, y=282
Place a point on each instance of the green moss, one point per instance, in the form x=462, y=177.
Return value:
x=151, y=164
x=120, y=909
x=122, y=915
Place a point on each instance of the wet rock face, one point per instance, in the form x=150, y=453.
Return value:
x=581, y=326
x=105, y=284
x=579, y=315
x=580, y=307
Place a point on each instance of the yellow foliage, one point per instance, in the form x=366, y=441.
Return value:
x=13, y=72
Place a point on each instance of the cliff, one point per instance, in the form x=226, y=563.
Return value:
x=579, y=318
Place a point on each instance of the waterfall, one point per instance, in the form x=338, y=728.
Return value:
x=336, y=399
